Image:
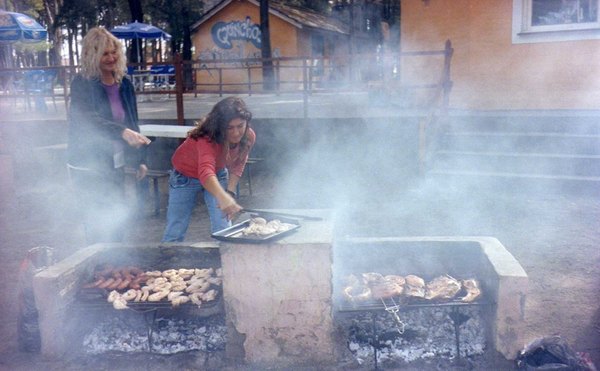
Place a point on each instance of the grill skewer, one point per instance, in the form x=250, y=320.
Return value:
x=393, y=310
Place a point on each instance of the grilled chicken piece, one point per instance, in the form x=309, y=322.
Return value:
x=386, y=289
x=355, y=289
x=371, y=278
x=357, y=293
x=471, y=286
x=351, y=280
x=387, y=286
x=414, y=287
x=415, y=281
x=414, y=292
x=120, y=303
x=259, y=226
x=396, y=279
x=442, y=287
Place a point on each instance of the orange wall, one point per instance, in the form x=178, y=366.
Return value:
x=285, y=42
x=488, y=71
x=281, y=32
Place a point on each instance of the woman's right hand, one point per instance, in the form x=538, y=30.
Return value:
x=135, y=139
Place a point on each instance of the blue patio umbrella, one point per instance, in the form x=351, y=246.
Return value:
x=20, y=27
x=137, y=30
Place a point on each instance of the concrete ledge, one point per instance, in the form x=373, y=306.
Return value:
x=55, y=288
x=278, y=298
x=7, y=178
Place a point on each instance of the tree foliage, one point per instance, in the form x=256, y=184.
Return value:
x=176, y=17
x=321, y=6
x=69, y=20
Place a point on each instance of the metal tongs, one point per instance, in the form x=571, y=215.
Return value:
x=285, y=215
x=393, y=310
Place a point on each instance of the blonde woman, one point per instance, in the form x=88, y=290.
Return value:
x=103, y=136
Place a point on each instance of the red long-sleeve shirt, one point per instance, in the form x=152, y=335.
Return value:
x=202, y=158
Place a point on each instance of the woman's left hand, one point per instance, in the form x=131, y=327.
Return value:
x=135, y=139
x=226, y=203
x=229, y=207
x=141, y=172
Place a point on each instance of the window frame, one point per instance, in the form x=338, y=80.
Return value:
x=524, y=32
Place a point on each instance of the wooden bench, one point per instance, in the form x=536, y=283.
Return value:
x=154, y=176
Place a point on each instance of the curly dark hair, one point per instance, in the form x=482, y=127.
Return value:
x=214, y=125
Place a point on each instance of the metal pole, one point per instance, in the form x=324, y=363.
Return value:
x=305, y=89
x=179, y=88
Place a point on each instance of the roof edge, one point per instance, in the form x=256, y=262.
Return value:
x=221, y=5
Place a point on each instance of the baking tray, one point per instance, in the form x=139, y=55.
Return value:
x=234, y=233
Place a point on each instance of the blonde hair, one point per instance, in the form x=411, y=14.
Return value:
x=95, y=42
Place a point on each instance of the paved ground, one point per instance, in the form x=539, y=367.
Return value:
x=290, y=105
x=342, y=104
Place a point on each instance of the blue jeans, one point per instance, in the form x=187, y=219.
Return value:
x=183, y=194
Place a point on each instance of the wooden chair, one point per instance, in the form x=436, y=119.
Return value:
x=248, y=173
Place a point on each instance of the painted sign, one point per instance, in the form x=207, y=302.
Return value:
x=223, y=33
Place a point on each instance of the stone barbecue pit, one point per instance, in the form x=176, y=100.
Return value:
x=280, y=302
x=403, y=329
x=73, y=319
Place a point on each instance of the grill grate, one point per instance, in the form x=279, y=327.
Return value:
x=405, y=303
x=97, y=299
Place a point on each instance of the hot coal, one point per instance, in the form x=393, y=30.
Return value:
x=168, y=335
x=429, y=333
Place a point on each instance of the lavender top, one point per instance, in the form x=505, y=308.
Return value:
x=115, y=102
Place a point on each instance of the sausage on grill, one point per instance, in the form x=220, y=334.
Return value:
x=106, y=283
x=115, y=284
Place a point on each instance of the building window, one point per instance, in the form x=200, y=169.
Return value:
x=555, y=20
x=556, y=15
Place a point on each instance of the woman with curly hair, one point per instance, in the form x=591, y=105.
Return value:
x=210, y=161
x=103, y=136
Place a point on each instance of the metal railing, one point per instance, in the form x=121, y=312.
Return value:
x=400, y=78
x=431, y=125
x=33, y=84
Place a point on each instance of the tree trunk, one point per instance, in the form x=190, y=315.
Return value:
x=51, y=9
x=187, y=56
x=265, y=40
x=70, y=46
x=137, y=14
x=6, y=60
